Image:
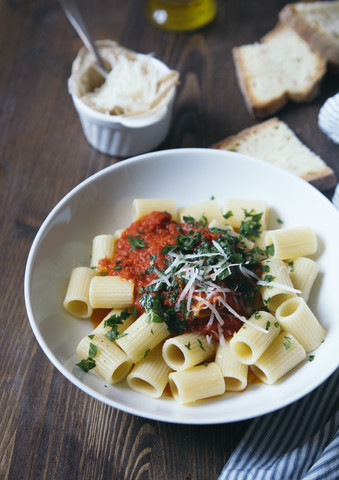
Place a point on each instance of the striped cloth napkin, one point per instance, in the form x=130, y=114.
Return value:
x=299, y=442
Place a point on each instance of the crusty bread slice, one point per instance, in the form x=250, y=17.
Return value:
x=275, y=142
x=318, y=24
x=281, y=67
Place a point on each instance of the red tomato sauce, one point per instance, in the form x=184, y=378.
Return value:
x=140, y=245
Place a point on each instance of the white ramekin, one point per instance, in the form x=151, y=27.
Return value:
x=125, y=136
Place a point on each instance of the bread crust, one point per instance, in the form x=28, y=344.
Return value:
x=322, y=179
x=325, y=45
x=264, y=109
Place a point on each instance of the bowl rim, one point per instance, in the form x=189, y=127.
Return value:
x=90, y=391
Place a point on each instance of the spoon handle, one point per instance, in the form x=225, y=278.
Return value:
x=74, y=16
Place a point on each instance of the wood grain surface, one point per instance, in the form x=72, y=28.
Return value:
x=48, y=428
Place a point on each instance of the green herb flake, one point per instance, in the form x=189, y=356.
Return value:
x=228, y=214
x=200, y=344
x=257, y=315
x=251, y=227
x=291, y=265
x=146, y=352
x=279, y=221
x=276, y=324
x=86, y=364
x=93, y=350
x=188, y=346
x=91, y=336
x=311, y=358
x=136, y=242
x=287, y=343
x=268, y=324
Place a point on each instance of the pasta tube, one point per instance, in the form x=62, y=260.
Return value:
x=150, y=375
x=284, y=353
x=234, y=372
x=102, y=246
x=186, y=350
x=120, y=327
x=292, y=242
x=110, y=291
x=210, y=210
x=249, y=343
x=202, y=381
x=142, y=336
x=303, y=272
x=110, y=361
x=144, y=206
x=77, y=300
x=279, y=286
x=237, y=206
x=296, y=316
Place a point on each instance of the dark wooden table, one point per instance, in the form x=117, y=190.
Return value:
x=48, y=428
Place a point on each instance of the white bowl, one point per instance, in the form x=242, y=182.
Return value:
x=124, y=136
x=102, y=203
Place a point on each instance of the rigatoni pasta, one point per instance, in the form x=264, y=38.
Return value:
x=277, y=285
x=296, y=316
x=292, y=242
x=196, y=383
x=150, y=375
x=248, y=343
x=77, y=300
x=109, y=292
x=197, y=307
x=187, y=350
x=282, y=355
x=303, y=272
x=235, y=373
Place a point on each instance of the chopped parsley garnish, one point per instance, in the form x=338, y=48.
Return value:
x=251, y=226
x=202, y=222
x=146, y=352
x=86, y=364
x=188, y=346
x=200, y=344
x=228, y=214
x=93, y=350
x=136, y=242
x=291, y=265
x=114, y=321
x=257, y=315
x=268, y=324
x=287, y=342
x=311, y=358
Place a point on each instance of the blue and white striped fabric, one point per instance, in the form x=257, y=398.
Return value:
x=298, y=442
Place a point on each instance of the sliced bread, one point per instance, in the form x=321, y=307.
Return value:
x=318, y=24
x=275, y=142
x=281, y=67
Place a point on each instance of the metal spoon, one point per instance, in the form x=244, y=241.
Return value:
x=74, y=16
